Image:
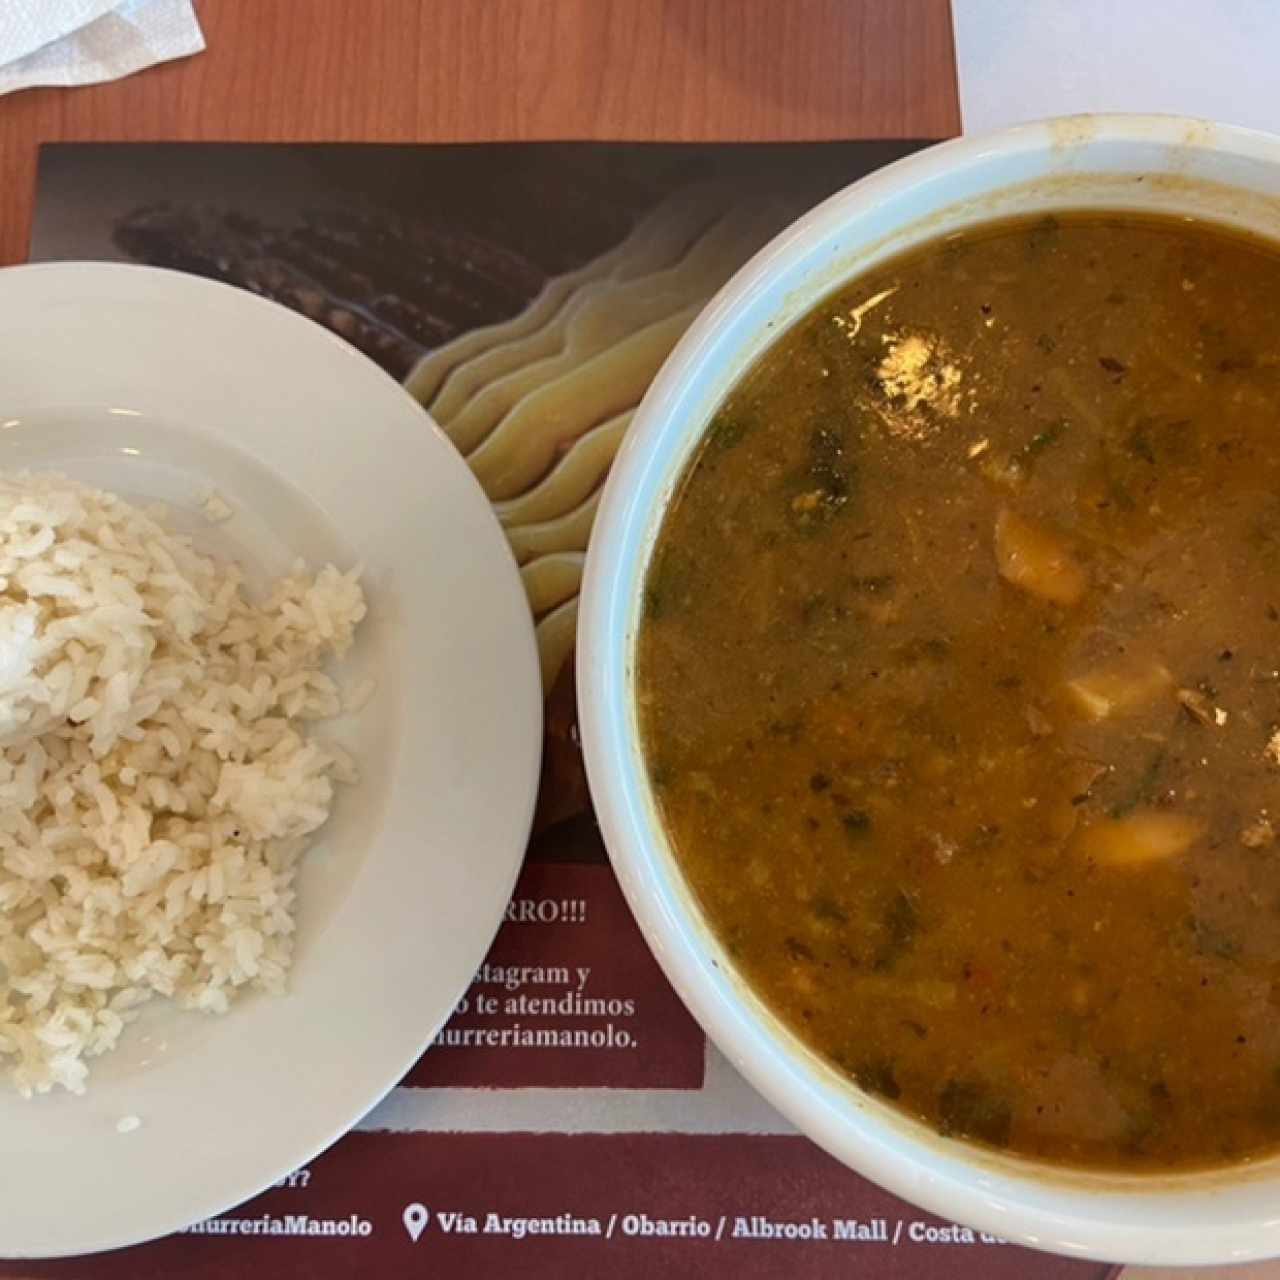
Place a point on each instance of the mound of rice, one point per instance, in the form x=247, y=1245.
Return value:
x=156, y=785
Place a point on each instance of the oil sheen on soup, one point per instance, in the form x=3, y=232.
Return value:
x=959, y=683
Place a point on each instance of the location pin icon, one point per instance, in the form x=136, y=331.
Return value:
x=416, y=1216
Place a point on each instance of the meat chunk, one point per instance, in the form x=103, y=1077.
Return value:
x=1147, y=836
x=1036, y=560
x=1073, y=1100
x=1109, y=691
x=1258, y=834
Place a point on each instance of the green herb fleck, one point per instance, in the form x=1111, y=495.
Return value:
x=726, y=430
x=1212, y=941
x=824, y=486
x=971, y=1109
x=668, y=572
x=875, y=1075
x=1043, y=234
x=1140, y=444
x=900, y=925
x=856, y=823
x=827, y=908
x=1143, y=791
x=1043, y=439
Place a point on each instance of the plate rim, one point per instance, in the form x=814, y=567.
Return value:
x=524, y=735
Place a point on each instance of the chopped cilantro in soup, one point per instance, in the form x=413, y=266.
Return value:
x=959, y=680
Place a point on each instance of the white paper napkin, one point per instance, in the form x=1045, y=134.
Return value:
x=1021, y=59
x=69, y=42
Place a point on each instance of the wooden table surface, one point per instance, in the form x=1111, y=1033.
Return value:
x=454, y=70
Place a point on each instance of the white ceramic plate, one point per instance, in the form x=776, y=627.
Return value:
x=163, y=387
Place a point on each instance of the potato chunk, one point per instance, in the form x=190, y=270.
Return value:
x=1109, y=691
x=1146, y=836
x=1036, y=560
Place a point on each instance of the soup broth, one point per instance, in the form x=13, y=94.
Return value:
x=959, y=684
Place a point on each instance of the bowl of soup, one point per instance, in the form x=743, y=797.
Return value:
x=929, y=673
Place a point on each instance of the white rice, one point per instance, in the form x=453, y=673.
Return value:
x=156, y=785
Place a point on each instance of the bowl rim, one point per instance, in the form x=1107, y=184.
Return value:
x=1133, y=1218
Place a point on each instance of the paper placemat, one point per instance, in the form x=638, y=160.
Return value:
x=571, y=1118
